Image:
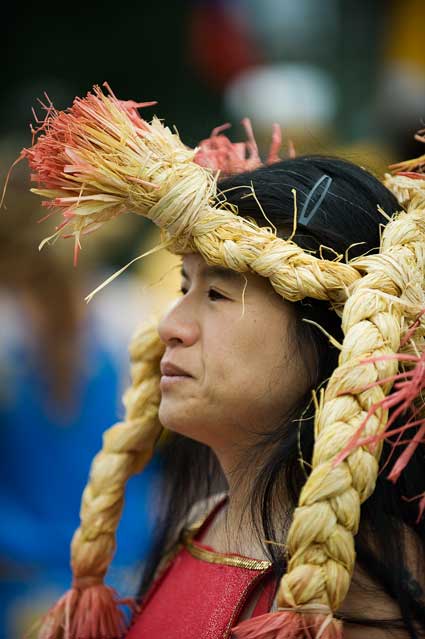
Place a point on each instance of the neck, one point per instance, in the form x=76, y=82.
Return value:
x=233, y=529
x=238, y=476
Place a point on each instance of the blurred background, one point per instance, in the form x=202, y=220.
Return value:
x=339, y=76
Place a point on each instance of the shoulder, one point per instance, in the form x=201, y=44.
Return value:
x=368, y=611
x=366, y=600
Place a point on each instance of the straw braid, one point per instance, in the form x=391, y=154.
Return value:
x=127, y=447
x=238, y=244
x=320, y=541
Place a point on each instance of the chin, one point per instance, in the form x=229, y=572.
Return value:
x=181, y=424
x=171, y=419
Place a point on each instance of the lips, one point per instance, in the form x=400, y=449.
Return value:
x=171, y=370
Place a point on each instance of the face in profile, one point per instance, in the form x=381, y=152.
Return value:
x=231, y=366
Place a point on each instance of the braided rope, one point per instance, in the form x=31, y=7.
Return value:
x=241, y=245
x=127, y=447
x=320, y=540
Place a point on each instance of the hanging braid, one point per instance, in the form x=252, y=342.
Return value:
x=320, y=540
x=127, y=447
x=127, y=163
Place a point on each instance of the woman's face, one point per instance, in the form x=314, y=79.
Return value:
x=231, y=365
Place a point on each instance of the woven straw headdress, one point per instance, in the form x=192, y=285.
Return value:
x=99, y=159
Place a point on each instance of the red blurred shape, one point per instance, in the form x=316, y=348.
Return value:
x=220, y=44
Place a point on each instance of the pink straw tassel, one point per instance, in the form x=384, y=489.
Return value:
x=91, y=613
x=289, y=625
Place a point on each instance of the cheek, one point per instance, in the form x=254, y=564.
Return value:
x=268, y=373
x=219, y=351
x=244, y=371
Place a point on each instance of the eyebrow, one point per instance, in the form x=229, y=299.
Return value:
x=216, y=271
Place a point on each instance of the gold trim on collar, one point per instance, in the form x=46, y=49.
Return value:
x=213, y=557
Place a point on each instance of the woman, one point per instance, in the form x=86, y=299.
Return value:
x=241, y=414
x=238, y=365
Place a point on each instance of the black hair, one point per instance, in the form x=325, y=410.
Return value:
x=344, y=218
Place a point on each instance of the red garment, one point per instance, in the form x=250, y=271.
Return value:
x=202, y=593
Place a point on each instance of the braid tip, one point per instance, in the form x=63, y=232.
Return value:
x=289, y=624
x=88, y=613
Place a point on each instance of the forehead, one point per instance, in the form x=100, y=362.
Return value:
x=193, y=265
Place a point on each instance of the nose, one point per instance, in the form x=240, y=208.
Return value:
x=179, y=325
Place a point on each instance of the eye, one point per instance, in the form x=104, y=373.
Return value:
x=183, y=290
x=215, y=295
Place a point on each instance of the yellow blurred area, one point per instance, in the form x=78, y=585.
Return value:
x=405, y=35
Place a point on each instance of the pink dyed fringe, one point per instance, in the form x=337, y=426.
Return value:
x=289, y=625
x=218, y=153
x=92, y=613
